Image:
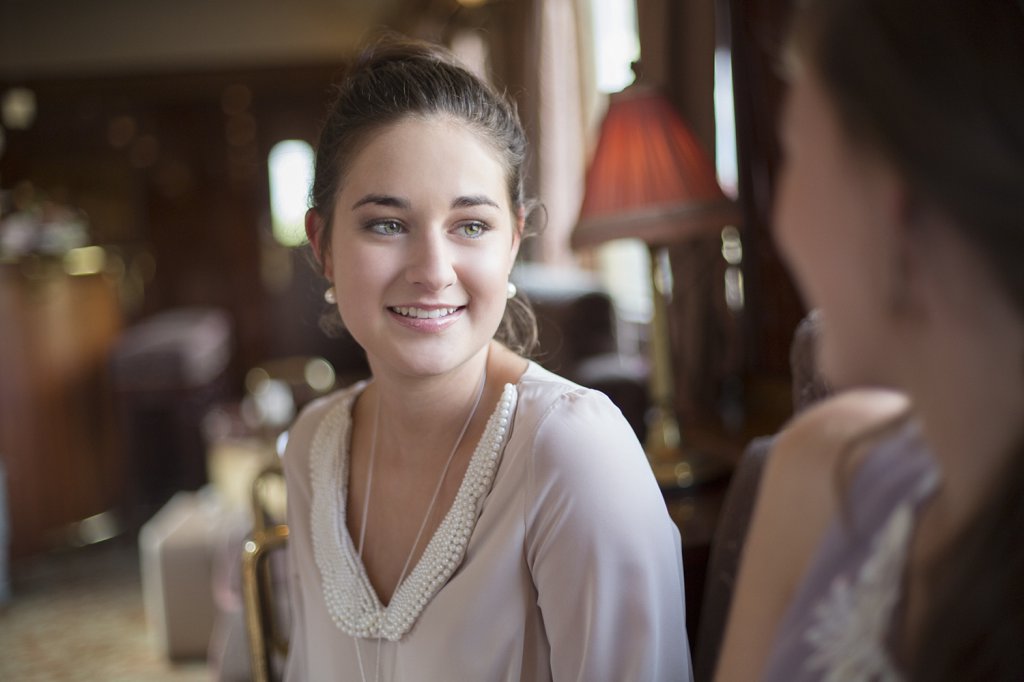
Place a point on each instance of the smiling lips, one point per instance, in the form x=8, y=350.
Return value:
x=423, y=313
x=432, y=319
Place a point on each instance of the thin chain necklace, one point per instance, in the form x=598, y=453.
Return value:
x=426, y=516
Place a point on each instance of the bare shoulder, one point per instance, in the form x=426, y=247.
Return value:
x=797, y=501
x=810, y=446
x=810, y=458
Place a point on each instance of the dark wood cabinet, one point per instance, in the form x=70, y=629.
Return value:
x=57, y=436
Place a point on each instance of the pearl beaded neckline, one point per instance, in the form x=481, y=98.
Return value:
x=350, y=598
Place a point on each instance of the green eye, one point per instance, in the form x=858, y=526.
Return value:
x=386, y=227
x=473, y=230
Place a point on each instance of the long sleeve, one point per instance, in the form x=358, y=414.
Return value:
x=604, y=555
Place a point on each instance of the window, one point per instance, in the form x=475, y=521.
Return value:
x=290, y=166
x=725, y=123
x=616, y=41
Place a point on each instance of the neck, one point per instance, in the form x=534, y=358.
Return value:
x=420, y=415
x=971, y=410
x=961, y=360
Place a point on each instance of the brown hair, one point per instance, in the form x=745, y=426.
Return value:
x=938, y=88
x=397, y=78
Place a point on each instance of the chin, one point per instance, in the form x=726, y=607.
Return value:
x=428, y=362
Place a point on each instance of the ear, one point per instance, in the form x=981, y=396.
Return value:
x=315, y=233
x=517, y=234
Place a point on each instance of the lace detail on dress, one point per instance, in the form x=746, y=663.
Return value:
x=849, y=627
x=351, y=601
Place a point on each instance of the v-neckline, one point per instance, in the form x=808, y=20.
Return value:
x=351, y=599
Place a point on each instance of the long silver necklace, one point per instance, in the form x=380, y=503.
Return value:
x=426, y=516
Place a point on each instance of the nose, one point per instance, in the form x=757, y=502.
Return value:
x=431, y=263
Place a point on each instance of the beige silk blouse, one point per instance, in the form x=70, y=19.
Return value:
x=557, y=560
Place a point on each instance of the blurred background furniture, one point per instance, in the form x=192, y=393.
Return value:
x=168, y=370
x=738, y=507
x=176, y=554
x=264, y=578
x=57, y=428
x=580, y=337
x=725, y=553
x=244, y=501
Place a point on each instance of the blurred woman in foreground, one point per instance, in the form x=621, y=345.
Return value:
x=887, y=543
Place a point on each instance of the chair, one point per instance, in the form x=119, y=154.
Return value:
x=167, y=372
x=277, y=389
x=270, y=533
x=738, y=507
x=726, y=549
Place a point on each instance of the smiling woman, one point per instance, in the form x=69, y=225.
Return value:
x=462, y=480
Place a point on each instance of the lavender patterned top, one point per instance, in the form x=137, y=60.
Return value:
x=839, y=625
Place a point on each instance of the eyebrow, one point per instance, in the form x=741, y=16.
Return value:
x=395, y=202
x=474, y=200
x=382, y=200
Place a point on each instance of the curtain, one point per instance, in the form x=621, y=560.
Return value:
x=566, y=106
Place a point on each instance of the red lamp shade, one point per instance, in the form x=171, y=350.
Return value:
x=650, y=179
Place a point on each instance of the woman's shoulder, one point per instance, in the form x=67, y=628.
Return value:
x=582, y=455
x=815, y=457
x=314, y=412
x=812, y=457
x=833, y=435
x=543, y=389
x=863, y=453
x=541, y=380
x=553, y=402
x=335, y=405
x=576, y=433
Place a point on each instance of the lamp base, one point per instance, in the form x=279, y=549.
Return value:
x=674, y=465
x=677, y=468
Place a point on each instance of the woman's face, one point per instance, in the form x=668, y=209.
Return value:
x=834, y=211
x=422, y=245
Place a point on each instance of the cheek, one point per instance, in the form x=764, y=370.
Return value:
x=486, y=273
x=794, y=226
x=817, y=231
x=357, y=284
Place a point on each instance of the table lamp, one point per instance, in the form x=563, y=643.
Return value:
x=651, y=180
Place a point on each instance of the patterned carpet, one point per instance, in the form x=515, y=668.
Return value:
x=77, y=615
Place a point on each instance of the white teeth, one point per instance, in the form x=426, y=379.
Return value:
x=422, y=314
